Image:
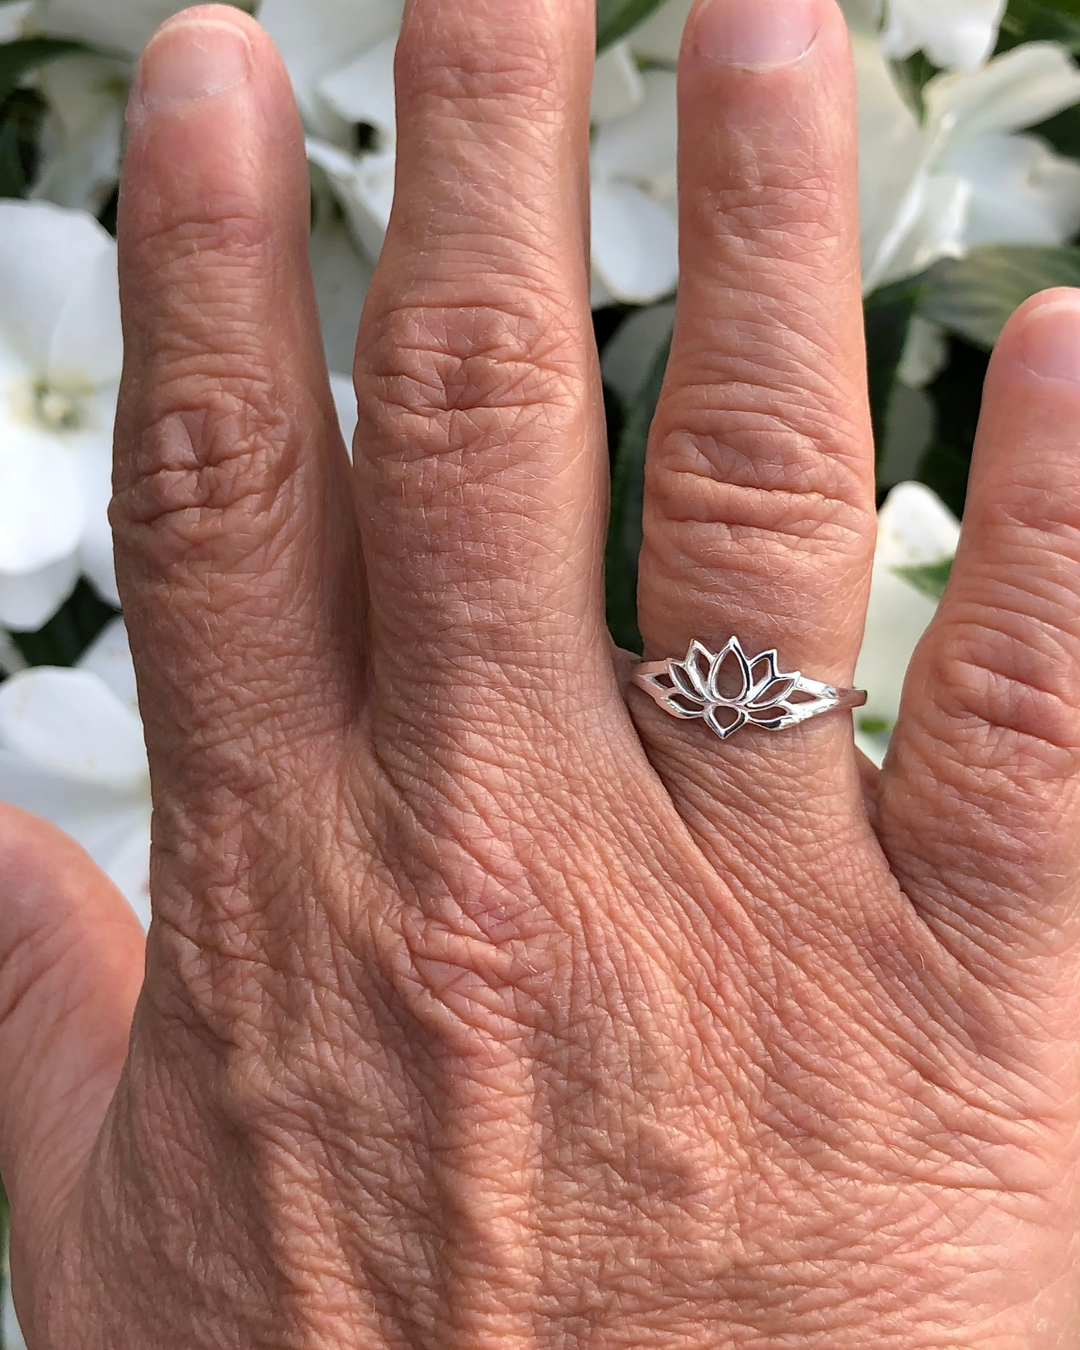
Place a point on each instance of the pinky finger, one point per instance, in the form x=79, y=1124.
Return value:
x=980, y=797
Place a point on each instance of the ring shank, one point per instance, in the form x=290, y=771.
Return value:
x=851, y=698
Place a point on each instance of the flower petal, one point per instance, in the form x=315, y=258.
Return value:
x=124, y=25
x=80, y=162
x=92, y=460
x=28, y=600
x=684, y=707
x=112, y=824
x=109, y=658
x=763, y=670
x=128, y=863
x=1016, y=90
x=725, y=721
x=342, y=276
x=697, y=665
x=617, y=86
x=730, y=680
x=914, y=529
x=87, y=345
x=959, y=34
x=318, y=37
x=642, y=147
x=46, y=255
x=773, y=691
x=345, y=401
x=632, y=352
x=12, y=18
x=42, y=516
x=10, y=1332
x=635, y=243
x=69, y=722
x=774, y=718
x=363, y=90
x=365, y=187
x=1022, y=192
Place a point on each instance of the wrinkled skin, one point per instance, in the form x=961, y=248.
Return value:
x=486, y=1005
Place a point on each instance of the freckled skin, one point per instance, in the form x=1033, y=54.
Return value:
x=485, y=1005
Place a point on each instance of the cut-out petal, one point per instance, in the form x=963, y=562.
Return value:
x=697, y=666
x=773, y=692
x=729, y=679
x=772, y=718
x=763, y=670
x=683, y=681
x=725, y=721
x=684, y=707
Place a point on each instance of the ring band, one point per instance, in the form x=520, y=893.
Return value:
x=730, y=690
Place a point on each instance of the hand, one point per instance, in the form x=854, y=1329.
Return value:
x=479, y=1011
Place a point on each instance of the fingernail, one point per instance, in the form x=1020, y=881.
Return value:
x=1050, y=340
x=191, y=59
x=756, y=32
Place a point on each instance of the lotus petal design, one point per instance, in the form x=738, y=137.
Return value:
x=730, y=689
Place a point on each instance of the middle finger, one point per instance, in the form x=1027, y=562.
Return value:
x=480, y=446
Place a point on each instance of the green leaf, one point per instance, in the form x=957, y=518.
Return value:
x=957, y=398
x=616, y=18
x=975, y=296
x=69, y=632
x=18, y=59
x=1041, y=21
x=627, y=503
x=12, y=175
x=888, y=313
x=930, y=579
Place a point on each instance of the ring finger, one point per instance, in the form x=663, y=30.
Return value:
x=759, y=513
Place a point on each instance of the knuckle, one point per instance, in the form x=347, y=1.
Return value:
x=1017, y=699
x=782, y=465
x=223, y=226
x=518, y=65
x=440, y=379
x=209, y=464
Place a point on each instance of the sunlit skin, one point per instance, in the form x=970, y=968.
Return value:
x=486, y=1006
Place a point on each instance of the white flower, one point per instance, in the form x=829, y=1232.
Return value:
x=122, y=26
x=13, y=18
x=954, y=34
x=635, y=239
x=81, y=137
x=60, y=360
x=71, y=750
x=11, y=659
x=340, y=55
x=915, y=529
x=11, y=1337
x=85, y=95
x=963, y=176
x=326, y=45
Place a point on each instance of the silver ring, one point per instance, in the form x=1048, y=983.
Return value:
x=730, y=690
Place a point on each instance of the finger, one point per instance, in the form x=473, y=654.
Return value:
x=71, y=963
x=979, y=795
x=759, y=512
x=235, y=533
x=479, y=453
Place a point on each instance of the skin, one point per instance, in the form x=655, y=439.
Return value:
x=485, y=1005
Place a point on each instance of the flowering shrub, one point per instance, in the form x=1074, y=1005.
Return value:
x=970, y=195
